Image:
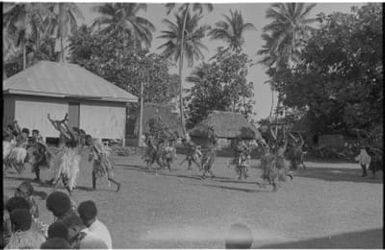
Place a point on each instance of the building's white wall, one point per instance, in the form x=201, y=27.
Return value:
x=103, y=121
x=32, y=114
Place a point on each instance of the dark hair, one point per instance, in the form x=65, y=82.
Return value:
x=55, y=243
x=87, y=210
x=27, y=187
x=58, y=203
x=35, y=131
x=17, y=203
x=240, y=237
x=21, y=219
x=25, y=130
x=58, y=230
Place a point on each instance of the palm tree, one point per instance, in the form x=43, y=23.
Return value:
x=22, y=23
x=285, y=36
x=61, y=22
x=122, y=17
x=184, y=11
x=231, y=30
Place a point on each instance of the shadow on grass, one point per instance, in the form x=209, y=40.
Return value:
x=369, y=239
x=236, y=181
x=339, y=174
x=245, y=190
x=137, y=168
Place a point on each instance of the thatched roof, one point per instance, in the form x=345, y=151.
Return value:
x=226, y=125
x=166, y=113
x=64, y=80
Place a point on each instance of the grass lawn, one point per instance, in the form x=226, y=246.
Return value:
x=328, y=205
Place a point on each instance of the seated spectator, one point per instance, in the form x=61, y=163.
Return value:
x=25, y=190
x=55, y=243
x=17, y=203
x=60, y=205
x=239, y=237
x=58, y=230
x=12, y=204
x=92, y=242
x=6, y=229
x=87, y=211
x=22, y=236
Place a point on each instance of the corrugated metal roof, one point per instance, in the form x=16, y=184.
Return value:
x=64, y=80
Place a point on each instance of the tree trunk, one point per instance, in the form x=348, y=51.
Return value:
x=61, y=30
x=24, y=56
x=272, y=104
x=180, y=74
x=140, y=142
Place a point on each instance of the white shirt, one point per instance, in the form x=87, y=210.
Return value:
x=100, y=230
x=91, y=241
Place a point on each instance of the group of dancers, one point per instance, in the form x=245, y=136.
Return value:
x=160, y=149
x=63, y=161
x=281, y=154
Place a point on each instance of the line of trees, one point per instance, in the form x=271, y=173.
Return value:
x=312, y=63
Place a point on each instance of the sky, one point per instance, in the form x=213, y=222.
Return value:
x=251, y=12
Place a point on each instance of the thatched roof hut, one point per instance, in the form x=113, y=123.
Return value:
x=226, y=125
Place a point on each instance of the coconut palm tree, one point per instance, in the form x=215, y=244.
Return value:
x=231, y=30
x=123, y=18
x=22, y=23
x=184, y=12
x=61, y=21
x=285, y=36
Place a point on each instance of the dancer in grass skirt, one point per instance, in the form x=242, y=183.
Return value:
x=39, y=155
x=66, y=161
x=194, y=154
x=15, y=151
x=102, y=166
x=275, y=167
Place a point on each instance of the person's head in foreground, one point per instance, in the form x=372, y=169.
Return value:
x=55, y=243
x=58, y=230
x=58, y=203
x=239, y=237
x=17, y=203
x=21, y=220
x=87, y=212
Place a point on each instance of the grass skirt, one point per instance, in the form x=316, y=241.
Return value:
x=7, y=147
x=40, y=156
x=66, y=163
x=274, y=168
x=15, y=157
x=103, y=167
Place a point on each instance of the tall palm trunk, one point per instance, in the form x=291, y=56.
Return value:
x=24, y=54
x=61, y=30
x=180, y=73
x=272, y=104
